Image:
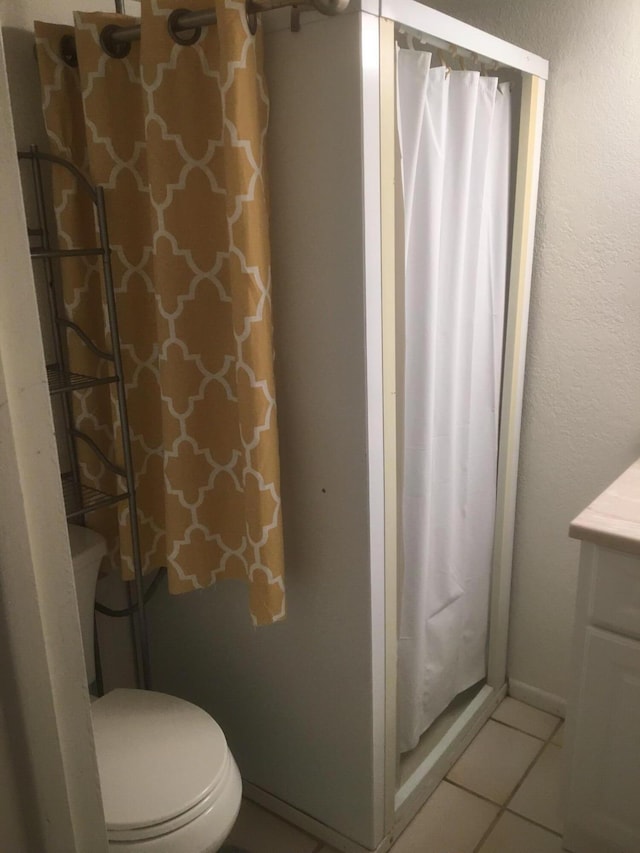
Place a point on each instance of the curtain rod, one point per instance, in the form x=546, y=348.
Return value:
x=116, y=41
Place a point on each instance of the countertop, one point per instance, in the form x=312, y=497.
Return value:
x=613, y=519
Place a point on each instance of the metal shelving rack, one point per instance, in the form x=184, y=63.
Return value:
x=79, y=498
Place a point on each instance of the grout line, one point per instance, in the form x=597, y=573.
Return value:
x=534, y=822
x=319, y=848
x=526, y=773
x=555, y=732
x=516, y=729
x=471, y=791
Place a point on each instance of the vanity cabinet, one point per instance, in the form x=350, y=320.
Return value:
x=602, y=806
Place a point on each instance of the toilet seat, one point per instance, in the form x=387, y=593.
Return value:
x=163, y=763
x=143, y=833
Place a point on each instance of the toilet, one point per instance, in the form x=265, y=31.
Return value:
x=169, y=782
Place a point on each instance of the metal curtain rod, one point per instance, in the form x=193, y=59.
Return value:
x=116, y=41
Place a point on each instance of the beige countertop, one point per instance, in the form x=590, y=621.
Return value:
x=613, y=519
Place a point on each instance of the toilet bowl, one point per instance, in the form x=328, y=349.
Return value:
x=169, y=782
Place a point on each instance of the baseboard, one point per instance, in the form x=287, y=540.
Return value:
x=307, y=823
x=538, y=698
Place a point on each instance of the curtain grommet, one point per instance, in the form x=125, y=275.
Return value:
x=251, y=11
x=115, y=49
x=186, y=38
x=68, y=50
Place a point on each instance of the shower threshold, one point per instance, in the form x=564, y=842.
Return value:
x=411, y=760
x=421, y=770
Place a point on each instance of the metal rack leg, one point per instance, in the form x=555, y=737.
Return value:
x=54, y=312
x=142, y=638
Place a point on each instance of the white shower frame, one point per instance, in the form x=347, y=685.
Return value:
x=379, y=140
x=392, y=809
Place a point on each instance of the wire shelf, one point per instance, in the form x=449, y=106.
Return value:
x=80, y=499
x=62, y=380
x=42, y=252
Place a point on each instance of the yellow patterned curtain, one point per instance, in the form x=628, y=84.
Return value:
x=176, y=136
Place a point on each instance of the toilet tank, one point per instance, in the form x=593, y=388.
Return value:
x=87, y=550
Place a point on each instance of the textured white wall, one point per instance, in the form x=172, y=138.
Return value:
x=582, y=391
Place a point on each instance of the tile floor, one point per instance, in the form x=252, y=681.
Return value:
x=502, y=796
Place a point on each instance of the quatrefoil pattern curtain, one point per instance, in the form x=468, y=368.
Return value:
x=176, y=136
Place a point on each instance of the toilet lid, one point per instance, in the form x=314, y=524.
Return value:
x=158, y=757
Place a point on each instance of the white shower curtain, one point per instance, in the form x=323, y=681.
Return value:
x=454, y=130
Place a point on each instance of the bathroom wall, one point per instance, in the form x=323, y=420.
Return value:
x=16, y=20
x=582, y=392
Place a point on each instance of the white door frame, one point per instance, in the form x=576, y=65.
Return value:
x=44, y=691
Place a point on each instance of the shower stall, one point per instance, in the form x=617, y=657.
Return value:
x=316, y=707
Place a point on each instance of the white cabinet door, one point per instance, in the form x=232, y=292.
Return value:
x=604, y=797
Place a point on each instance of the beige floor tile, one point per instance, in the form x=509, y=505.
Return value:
x=539, y=796
x=258, y=831
x=495, y=761
x=512, y=834
x=451, y=821
x=558, y=737
x=527, y=719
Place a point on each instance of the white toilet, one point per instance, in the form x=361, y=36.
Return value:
x=169, y=782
